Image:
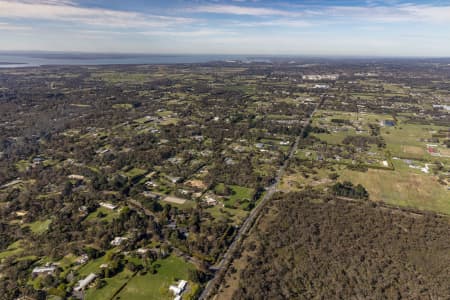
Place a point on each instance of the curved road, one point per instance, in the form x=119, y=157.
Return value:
x=227, y=258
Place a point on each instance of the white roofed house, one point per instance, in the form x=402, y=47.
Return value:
x=84, y=283
x=108, y=205
x=182, y=285
x=76, y=177
x=84, y=258
x=178, y=289
x=210, y=200
x=47, y=270
x=118, y=240
x=175, y=290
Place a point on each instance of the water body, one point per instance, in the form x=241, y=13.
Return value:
x=36, y=59
x=15, y=60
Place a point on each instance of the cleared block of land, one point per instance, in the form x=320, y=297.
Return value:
x=402, y=188
x=175, y=200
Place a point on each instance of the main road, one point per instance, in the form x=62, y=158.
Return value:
x=227, y=258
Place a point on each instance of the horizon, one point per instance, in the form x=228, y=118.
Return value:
x=350, y=28
x=60, y=54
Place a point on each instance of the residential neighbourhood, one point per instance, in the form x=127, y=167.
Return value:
x=143, y=176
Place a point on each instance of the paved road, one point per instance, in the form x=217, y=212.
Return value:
x=227, y=258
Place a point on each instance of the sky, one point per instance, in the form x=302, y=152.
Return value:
x=250, y=27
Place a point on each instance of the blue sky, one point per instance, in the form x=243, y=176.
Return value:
x=287, y=27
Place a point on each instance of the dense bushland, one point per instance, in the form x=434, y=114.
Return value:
x=341, y=250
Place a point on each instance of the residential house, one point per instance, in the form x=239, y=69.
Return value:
x=48, y=269
x=178, y=289
x=108, y=205
x=118, y=240
x=83, y=283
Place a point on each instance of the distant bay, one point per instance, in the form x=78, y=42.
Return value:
x=10, y=63
x=13, y=60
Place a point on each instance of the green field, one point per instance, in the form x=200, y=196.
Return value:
x=13, y=249
x=135, y=172
x=39, y=227
x=335, y=138
x=93, y=266
x=219, y=212
x=239, y=193
x=405, y=186
x=22, y=165
x=156, y=286
x=121, y=77
x=109, y=214
x=405, y=139
x=112, y=286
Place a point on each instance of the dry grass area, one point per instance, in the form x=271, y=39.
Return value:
x=402, y=188
x=176, y=200
x=196, y=184
x=414, y=150
x=295, y=180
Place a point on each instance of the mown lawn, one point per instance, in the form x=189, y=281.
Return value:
x=93, y=266
x=39, y=227
x=135, y=172
x=109, y=214
x=112, y=286
x=240, y=193
x=156, y=286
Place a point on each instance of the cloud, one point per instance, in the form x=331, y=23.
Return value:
x=243, y=10
x=396, y=13
x=376, y=11
x=68, y=11
x=11, y=27
x=192, y=33
x=291, y=23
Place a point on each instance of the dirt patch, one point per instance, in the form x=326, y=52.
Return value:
x=321, y=181
x=196, y=184
x=175, y=200
x=413, y=150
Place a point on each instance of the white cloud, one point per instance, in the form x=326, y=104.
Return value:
x=193, y=33
x=375, y=12
x=11, y=27
x=67, y=11
x=398, y=13
x=277, y=23
x=243, y=10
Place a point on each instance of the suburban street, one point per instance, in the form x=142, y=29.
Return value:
x=222, y=266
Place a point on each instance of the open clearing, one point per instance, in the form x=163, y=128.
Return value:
x=196, y=183
x=39, y=227
x=402, y=188
x=113, y=284
x=156, y=286
x=176, y=200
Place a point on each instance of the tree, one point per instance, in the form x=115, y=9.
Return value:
x=67, y=190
